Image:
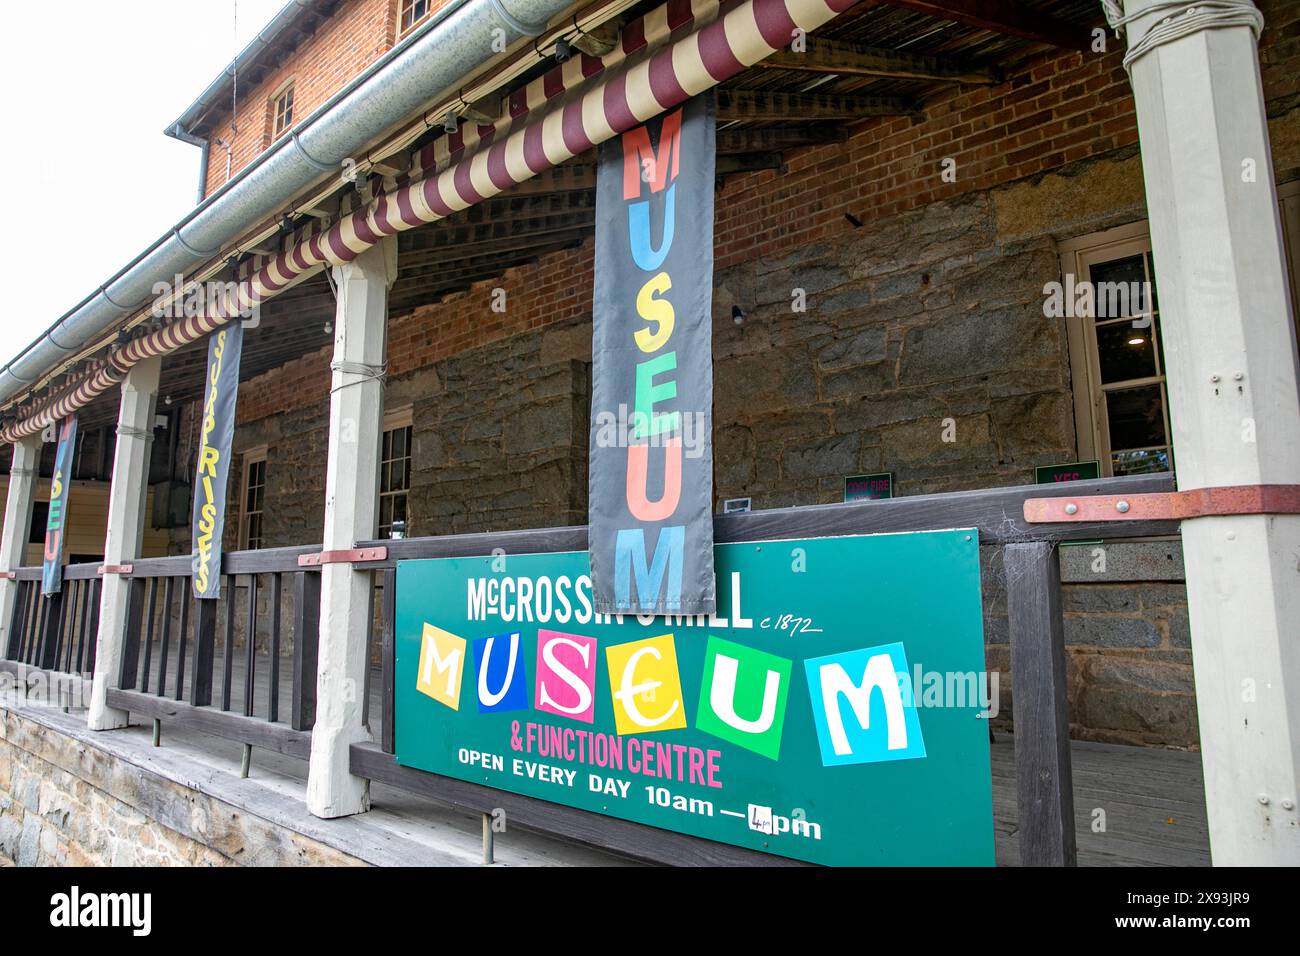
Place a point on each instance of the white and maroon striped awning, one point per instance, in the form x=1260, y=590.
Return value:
x=673, y=53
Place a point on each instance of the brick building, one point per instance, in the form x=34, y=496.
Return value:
x=901, y=224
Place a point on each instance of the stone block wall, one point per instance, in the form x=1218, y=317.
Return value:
x=63, y=803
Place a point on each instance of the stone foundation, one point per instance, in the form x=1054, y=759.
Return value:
x=64, y=803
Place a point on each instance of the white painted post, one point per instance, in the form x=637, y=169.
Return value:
x=18, y=525
x=1231, y=366
x=351, y=515
x=125, y=535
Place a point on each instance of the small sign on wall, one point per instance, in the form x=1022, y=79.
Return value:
x=1070, y=471
x=733, y=506
x=869, y=487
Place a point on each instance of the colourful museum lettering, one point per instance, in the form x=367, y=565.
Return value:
x=566, y=675
x=655, y=310
x=646, y=257
x=502, y=670
x=441, y=665
x=638, y=479
x=664, y=571
x=743, y=695
x=645, y=685
x=643, y=164
x=894, y=735
x=645, y=421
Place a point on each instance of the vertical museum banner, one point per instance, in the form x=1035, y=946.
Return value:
x=221, y=392
x=60, y=485
x=651, y=451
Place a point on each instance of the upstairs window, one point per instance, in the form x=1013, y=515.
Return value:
x=282, y=111
x=413, y=11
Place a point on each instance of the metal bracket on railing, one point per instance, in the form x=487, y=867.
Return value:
x=353, y=556
x=1167, y=506
x=9, y=575
x=114, y=569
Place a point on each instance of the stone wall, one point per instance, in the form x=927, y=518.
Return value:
x=63, y=803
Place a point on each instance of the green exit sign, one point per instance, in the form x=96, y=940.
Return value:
x=1070, y=471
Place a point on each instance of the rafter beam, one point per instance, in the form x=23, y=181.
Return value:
x=1006, y=16
x=797, y=107
x=823, y=55
x=770, y=139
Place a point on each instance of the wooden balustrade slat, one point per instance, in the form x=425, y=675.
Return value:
x=186, y=597
x=169, y=592
x=273, y=705
x=228, y=658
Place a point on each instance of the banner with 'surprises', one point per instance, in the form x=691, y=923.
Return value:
x=651, y=455
x=221, y=392
x=60, y=485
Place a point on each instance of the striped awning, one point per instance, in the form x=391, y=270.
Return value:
x=673, y=53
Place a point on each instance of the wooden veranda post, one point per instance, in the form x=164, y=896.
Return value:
x=351, y=515
x=125, y=533
x=17, y=526
x=1230, y=356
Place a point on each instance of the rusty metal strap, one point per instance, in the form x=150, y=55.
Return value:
x=353, y=556
x=1166, y=506
x=8, y=575
x=114, y=569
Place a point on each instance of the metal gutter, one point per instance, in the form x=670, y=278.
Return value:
x=455, y=41
x=202, y=144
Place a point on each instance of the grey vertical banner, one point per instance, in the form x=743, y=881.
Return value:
x=220, y=395
x=56, y=524
x=651, y=452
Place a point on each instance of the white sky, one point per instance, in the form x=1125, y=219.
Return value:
x=88, y=177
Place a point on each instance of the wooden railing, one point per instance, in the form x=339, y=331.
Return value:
x=170, y=667
x=169, y=635
x=56, y=632
x=1032, y=581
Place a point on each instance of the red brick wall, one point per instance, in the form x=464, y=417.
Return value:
x=358, y=34
x=1057, y=109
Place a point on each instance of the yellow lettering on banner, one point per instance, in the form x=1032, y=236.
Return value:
x=658, y=311
x=209, y=459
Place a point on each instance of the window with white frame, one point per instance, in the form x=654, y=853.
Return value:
x=412, y=13
x=1121, y=403
x=1116, y=355
x=282, y=110
x=253, y=503
x=395, y=475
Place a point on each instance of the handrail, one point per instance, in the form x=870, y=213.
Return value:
x=996, y=512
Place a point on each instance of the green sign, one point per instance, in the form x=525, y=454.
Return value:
x=869, y=487
x=811, y=717
x=1070, y=471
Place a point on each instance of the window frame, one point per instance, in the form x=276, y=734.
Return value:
x=400, y=418
x=415, y=22
x=1092, y=427
x=285, y=89
x=250, y=458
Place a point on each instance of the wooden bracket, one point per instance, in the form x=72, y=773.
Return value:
x=114, y=569
x=353, y=556
x=1173, y=505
